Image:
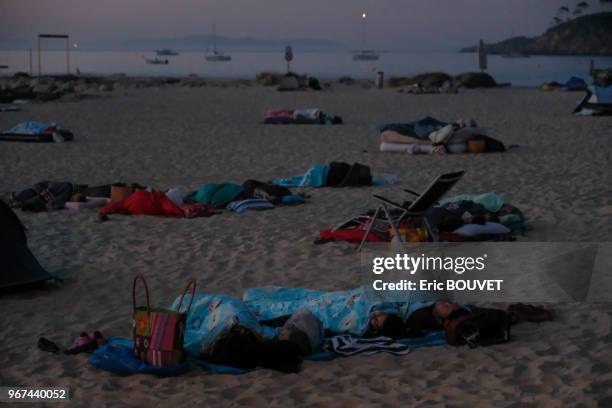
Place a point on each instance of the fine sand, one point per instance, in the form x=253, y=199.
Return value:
x=559, y=177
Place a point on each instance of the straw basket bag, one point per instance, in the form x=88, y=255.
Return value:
x=159, y=333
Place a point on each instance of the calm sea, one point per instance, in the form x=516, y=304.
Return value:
x=519, y=71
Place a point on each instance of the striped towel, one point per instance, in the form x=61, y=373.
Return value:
x=347, y=345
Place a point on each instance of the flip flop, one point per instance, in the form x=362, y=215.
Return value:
x=82, y=339
x=48, y=346
x=83, y=348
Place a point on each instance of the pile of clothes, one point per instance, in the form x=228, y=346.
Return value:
x=481, y=217
x=462, y=218
x=307, y=116
x=431, y=136
x=250, y=195
x=335, y=174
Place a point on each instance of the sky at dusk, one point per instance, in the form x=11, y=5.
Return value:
x=392, y=24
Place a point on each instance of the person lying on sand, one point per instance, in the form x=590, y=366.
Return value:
x=46, y=195
x=471, y=324
x=222, y=330
x=53, y=195
x=341, y=312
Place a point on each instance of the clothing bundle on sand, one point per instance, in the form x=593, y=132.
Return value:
x=217, y=195
x=336, y=174
x=431, y=136
x=309, y=116
x=596, y=102
x=37, y=132
x=479, y=217
x=461, y=218
x=251, y=195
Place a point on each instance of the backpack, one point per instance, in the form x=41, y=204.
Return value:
x=483, y=327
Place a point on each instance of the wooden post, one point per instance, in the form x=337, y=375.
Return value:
x=39, y=67
x=30, y=52
x=68, y=55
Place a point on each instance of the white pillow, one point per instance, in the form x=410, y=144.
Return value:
x=489, y=228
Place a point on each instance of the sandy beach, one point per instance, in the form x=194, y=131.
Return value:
x=559, y=176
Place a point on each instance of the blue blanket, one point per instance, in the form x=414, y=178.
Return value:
x=347, y=312
x=117, y=357
x=316, y=176
x=212, y=315
x=32, y=128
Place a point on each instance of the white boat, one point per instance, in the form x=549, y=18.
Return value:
x=216, y=55
x=363, y=54
x=156, y=61
x=167, y=52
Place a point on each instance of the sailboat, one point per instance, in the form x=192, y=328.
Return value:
x=365, y=55
x=217, y=55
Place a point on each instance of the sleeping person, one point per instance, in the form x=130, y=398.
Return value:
x=222, y=330
x=341, y=312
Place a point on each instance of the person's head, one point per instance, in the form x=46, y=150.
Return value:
x=238, y=347
x=385, y=324
x=442, y=309
x=305, y=330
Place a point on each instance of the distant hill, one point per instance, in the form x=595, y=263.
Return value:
x=586, y=35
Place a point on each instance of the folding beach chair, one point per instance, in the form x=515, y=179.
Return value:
x=413, y=210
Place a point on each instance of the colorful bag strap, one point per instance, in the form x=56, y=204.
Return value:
x=191, y=283
x=136, y=279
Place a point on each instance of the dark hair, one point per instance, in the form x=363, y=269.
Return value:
x=422, y=321
x=393, y=327
x=450, y=223
x=238, y=347
x=281, y=355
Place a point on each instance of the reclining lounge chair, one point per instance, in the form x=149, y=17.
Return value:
x=395, y=213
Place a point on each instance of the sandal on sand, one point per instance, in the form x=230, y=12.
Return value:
x=47, y=345
x=86, y=343
x=98, y=337
x=83, y=339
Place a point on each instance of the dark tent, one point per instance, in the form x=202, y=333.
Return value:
x=19, y=269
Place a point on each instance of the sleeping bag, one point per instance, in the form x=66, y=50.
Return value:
x=144, y=203
x=217, y=195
